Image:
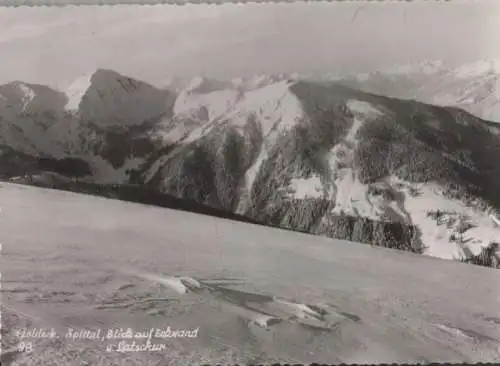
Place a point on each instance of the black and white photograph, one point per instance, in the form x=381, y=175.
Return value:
x=250, y=183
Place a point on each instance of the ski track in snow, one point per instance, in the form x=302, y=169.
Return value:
x=350, y=195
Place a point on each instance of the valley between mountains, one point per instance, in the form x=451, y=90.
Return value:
x=318, y=156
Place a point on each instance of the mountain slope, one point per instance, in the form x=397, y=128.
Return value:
x=324, y=158
x=106, y=264
x=27, y=114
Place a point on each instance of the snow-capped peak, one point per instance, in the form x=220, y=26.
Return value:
x=473, y=69
x=77, y=90
x=425, y=67
x=261, y=80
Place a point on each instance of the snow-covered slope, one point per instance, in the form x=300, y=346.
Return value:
x=273, y=296
x=274, y=107
x=77, y=90
x=460, y=230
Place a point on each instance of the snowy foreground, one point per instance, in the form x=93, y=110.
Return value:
x=207, y=290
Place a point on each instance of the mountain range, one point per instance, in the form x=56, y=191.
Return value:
x=474, y=87
x=343, y=158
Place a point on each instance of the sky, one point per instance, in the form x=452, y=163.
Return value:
x=55, y=45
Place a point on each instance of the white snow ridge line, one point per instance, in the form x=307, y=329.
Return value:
x=174, y=283
x=452, y=330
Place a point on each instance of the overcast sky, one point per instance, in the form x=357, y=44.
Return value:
x=53, y=46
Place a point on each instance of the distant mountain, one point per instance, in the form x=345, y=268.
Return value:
x=473, y=87
x=103, y=120
x=113, y=100
x=318, y=157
